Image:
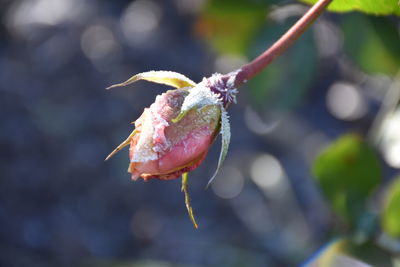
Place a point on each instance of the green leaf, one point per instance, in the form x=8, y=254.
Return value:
x=170, y=78
x=347, y=172
x=284, y=83
x=391, y=212
x=230, y=25
x=346, y=253
x=226, y=137
x=376, y=7
x=370, y=253
x=372, y=43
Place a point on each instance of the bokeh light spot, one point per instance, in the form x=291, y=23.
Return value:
x=228, y=63
x=230, y=184
x=97, y=42
x=256, y=123
x=140, y=20
x=26, y=17
x=328, y=39
x=346, y=102
x=390, y=134
x=266, y=172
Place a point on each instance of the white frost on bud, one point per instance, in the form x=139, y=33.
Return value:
x=199, y=97
x=144, y=147
x=161, y=143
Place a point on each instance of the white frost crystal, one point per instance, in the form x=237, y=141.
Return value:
x=199, y=96
x=143, y=149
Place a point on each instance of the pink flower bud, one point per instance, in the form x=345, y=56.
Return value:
x=173, y=135
x=164, y=149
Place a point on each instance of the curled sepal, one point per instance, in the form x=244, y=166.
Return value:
x=122, y=145
x=198, y=98
x=170, y=78
x=185, y=190
x=226, y=137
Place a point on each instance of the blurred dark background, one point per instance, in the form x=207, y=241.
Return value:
x=62, y=205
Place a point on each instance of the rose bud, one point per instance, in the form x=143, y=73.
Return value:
x=164, y=149
x=173, y=135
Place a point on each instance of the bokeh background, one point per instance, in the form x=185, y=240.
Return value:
x=62, y=205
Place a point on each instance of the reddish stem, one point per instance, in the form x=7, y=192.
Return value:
x=249, y=70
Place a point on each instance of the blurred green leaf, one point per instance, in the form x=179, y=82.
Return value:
x=396, y=262
x=283, y=84
x=370, y=253
x=230, y=25
x=347, y=171
x=372, y=43
x=391, y=212
x=376, y=7
x=346, y=253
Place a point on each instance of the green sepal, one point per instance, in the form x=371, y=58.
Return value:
x=170, y=78
x=122, y=145
x=226, y=137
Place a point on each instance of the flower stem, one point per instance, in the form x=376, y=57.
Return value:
x=185, y=189
x=249, y=70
